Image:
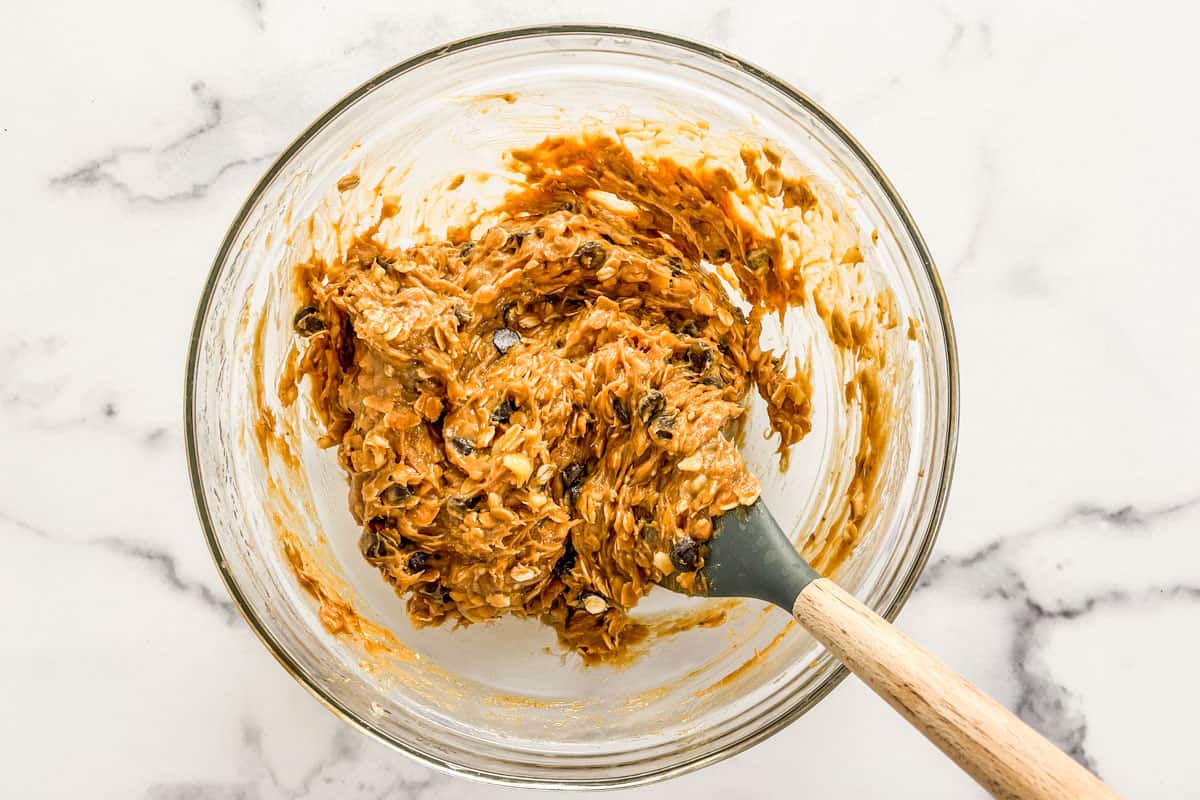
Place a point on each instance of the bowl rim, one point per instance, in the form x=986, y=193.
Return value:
x=948, y=456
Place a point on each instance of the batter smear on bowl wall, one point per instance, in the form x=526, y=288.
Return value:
x=538, y=413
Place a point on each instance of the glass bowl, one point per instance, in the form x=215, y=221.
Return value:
x=501, y=701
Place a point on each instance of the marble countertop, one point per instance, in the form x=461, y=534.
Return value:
x=1049, y=155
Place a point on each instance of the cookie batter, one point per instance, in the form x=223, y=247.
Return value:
x=537, y=415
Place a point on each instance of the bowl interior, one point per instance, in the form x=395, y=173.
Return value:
x=502, y=700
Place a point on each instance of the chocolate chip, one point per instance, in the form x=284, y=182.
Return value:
x=435, y=591
x=462, y=315
x=650, y=405
x=464, y=504
x=506, y=311
x=675, y=263
x=394, y=495
x=698, y=357
x=572, y=477
x=514, y=241
x=463, y=446
x=464, y=250
x=663, y=426
x=566, y=561
x=505, y=339
x=307, y=321
x=376, y=524
x=417, y=562
x=574, y=473
x=503, y=413
x=758, y=259
x=591, y=255
x=374, y=546
x=619, y=410
x=650, y=533
x=685, y=554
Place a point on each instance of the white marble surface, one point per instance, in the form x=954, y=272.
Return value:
x=1048, y=153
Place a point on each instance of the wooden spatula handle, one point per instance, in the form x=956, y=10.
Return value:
x=1006, y=756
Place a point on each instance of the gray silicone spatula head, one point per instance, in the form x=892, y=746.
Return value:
x=750, y=556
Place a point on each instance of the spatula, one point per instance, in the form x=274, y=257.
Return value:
x=749, y=556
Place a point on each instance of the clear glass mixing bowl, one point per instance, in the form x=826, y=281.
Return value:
x=499, y=701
